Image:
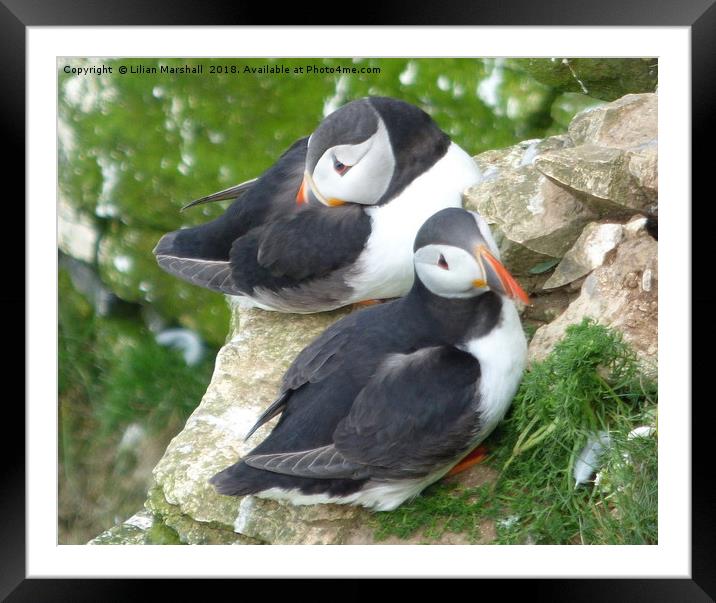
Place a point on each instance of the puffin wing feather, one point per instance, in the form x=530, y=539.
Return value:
x=417, y=413
x=228, y=193
x=322, y=357
x=314, y=241
x=324, y=462
x=325, y=355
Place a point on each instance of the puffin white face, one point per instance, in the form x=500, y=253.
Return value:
x=450, y=271
x=354, y=173
x=453, y=257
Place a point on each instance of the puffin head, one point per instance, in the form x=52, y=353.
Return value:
x=455, y=256
x=365, y=151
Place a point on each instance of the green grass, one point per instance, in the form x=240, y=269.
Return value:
x=116, y=371
x=442, y=508
x=112, y=373
x=589, y=383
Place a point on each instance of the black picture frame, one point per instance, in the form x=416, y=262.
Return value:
x=699, y=15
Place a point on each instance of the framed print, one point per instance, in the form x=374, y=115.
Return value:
x=190, y=106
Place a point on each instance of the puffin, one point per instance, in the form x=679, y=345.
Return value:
x=332, y=222
x=392, y=397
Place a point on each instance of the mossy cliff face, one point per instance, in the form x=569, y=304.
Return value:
x=607, y=79
x=570, y=215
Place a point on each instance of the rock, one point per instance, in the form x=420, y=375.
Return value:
x=626, y=123
x=529, y=210
x=495, y=161
x=545, y=306
x=281, y=523
x=601, y=78
x=612, y=182
x=635, y=226
x=538, y=195
x=614, y=295
x=142, y=528
x=613, y=166
x=587, y=253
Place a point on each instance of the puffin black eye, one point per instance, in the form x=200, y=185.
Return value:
x=340, y=167
x=443, y=263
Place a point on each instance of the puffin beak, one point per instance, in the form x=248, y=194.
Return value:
x=302, y=197
x=309, y=191
x=497, y=276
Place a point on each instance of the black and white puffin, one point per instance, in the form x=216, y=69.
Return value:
x=333, y=221
x=390, y=398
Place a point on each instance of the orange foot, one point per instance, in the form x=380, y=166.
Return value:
x=476, y=456
x=365, y=303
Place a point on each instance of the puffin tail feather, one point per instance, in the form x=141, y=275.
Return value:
x=234, y=481
x=175, y=255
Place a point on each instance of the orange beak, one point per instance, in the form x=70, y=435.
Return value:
x=301, y=197
x=308, y=185
x=503, y=280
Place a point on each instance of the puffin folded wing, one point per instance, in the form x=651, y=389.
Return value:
x=327, y=354
x=415, y=416
x=325, y=462
x=211, y=274
x=334, y=350
x=313, y=242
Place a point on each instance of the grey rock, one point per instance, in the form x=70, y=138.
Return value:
x=534, y=218
x=611, y=181
x=627, y=123
x=494, y=162
x=587, y=253
x=142, y=528
x=612, y=165
x=613, y=295
x=545, y=306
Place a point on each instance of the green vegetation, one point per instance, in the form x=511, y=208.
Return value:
x=440, y=509
x=589, y=383
x=112, y=374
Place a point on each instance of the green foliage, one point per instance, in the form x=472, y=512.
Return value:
x=442, y=508
x=589, y=383
x=150, y=383
x=116, y=369
x=112, y=373
x=601, y=78
x=543, y=267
